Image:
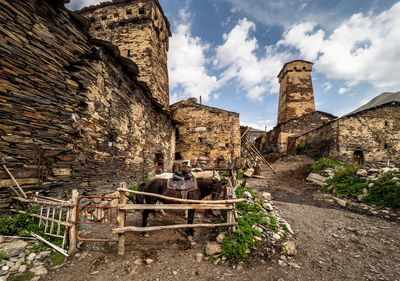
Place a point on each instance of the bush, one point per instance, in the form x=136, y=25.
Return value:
x=385, y=192
x=131, y=196
x=323, y=163
x=347, y=183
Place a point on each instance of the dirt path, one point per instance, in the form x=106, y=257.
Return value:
x=332, y=244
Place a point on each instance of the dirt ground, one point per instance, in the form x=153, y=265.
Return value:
x=332, y=243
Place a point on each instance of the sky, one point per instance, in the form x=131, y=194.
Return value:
x=229, y=52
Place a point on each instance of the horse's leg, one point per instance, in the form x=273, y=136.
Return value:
x=190, y=231
x=145, y=215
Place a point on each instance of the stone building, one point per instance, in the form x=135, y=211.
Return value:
x=205, y=131
x=141, y=31
x=370, y=134
x=73, y=112
x=296, y=110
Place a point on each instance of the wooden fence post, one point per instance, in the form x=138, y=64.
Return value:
x=72, y=229
x=121, y=220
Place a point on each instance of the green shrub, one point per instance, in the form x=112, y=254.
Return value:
x=23, y=276
x=3, y=255
x=56, y=258
x=385, y=192
x=323, y=163
x=347, y=183
x=135, y=187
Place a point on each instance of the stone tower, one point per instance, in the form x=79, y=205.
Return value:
x=141, y=31
x=296, y=95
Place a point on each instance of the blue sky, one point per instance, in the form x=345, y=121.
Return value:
x=230, y=51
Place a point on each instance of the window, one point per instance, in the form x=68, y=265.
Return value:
x=104, y=17
x=116, y=15
x=178, y=156
x=386, y=123
x=386, y=146
x=129, y=12
x=92, y=19
x=141, y=10
x=129, y=53
x=200, y=139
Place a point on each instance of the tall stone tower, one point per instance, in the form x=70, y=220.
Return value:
x=296, y=95
x=141, y=31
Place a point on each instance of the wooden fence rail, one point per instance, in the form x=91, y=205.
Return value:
x=186, y=204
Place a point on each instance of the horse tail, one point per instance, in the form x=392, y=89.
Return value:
x=140, y=198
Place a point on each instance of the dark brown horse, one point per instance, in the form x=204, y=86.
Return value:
x=205, y=187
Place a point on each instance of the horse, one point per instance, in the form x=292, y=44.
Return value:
x=205, y=187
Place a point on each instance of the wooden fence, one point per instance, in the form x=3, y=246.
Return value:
x=182, y=204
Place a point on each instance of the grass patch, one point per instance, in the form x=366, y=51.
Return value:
x=56, y=258
x=321, y=164
x=3, y=255
x=347, y=183
x=385, y=192
x=23, y=276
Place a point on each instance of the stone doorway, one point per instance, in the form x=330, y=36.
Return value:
x=358, y=157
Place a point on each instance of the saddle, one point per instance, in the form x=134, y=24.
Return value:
x=184, y=181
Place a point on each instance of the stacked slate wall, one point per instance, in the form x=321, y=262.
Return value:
x=72, y=114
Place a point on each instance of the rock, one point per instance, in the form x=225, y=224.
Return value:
x=365, y=191
x=96, y=200
x=13, y=248
x=268, y=206
x=317, y=179
x=267, y=196
x=147, y=235
x=42, y=255
x=289, y=248
x=247, y=195
x=294, y=265
x=276, y=236
x=149, y=261
x=341, y=202
x=361, y=197
x=22, y=268
x=220, y=237
x=370, y=185
x=39, y=270
x=362, y=173
x=249, y=173
x=388, y=169
x=31, y=257
x=266, y=219
x=289, y=228
x=114, y=203
x=213, y=248
x=199, y=257
x=372, y=171
x=175, y=272
x=1, y=239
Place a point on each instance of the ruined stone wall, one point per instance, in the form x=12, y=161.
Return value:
x=374, y=132
x=141, y=31
x=206, y=131
x=296, y=96
x=72, y=114
x=276, y=140
x=320, y=142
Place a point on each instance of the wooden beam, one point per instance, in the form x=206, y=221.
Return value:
x=164, y=227
x=64, y=204
x=121, y=218
x=15, y=181
x=174, y=207
x=245, y=132
x=259, y=154
x=72, y=217
x=184, y=200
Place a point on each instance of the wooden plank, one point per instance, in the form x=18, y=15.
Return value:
x=259, y=154
x=14, y=180
x=72, y=230
x=121, y=219
x=229, y=201
x=164, y=227
x=174, y=207
x=62, y=251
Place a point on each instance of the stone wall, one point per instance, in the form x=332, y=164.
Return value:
x=72, y=114
x=206, y=131
x=296, y=95
x=374, y=134
x=141, y=31
x=276, y=140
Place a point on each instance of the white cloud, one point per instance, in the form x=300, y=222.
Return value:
x=327, y=86
x=79, y=4
x=362, y=48
x=301, y=7
x=343, y=90
x=217, y=95
x=238, y=62
x=187, y=64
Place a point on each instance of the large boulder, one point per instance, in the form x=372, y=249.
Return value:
x=213, y=248
x=13, y=248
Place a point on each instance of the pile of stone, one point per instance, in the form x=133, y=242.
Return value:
x=270, y=237
x=18, y=257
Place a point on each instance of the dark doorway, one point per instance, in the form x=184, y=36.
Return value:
x=159, y=163
x=358, y=157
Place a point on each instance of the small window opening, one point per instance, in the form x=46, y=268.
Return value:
x=98, y=27
x=386, y=123
x=92, y=19
x=104, y=17
x=141, y=10
x=129, y=53
x=178, y=156
x=386, y=146
x=200, y=139
x=129, y=12
x=358, y=157
x=159, y=163
x=116, y=15
x=177, y=134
